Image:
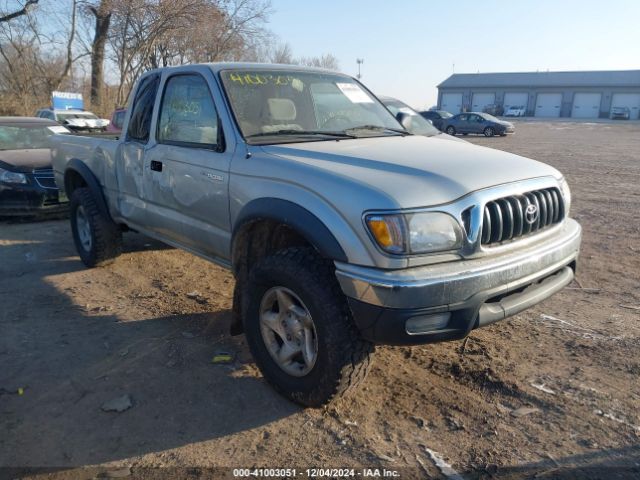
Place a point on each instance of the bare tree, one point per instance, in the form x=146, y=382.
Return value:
x=282, y=54
x=5, y=17
x=150, y=34
x=34, y=61
x=101, y=12
x=327, y=61
x=279, y=52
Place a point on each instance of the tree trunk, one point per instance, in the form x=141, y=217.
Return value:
x=103, y=19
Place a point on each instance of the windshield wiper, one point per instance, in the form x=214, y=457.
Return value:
x=378, y=128
x=301, y=132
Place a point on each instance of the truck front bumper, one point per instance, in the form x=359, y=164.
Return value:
x=446, y=301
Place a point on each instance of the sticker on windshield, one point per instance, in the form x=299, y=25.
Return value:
x=58, y=129
x=354, y=93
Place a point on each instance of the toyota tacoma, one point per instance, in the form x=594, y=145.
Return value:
x=342, y=230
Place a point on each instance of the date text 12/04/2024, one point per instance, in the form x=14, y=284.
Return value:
x=315, y=473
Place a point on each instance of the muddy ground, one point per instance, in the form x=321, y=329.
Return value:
x=149, y=325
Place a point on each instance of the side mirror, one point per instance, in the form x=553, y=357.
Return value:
x=404, y=119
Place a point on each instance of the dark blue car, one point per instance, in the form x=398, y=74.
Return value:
x=477, y=122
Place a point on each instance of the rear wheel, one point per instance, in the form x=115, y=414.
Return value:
x=450, y=130
x=489, y=132
x=97, y=238
x=299, y=328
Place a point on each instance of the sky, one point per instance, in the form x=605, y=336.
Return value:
x=410, y=46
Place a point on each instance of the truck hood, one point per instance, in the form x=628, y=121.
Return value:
x=412, y=171
x=25, y=161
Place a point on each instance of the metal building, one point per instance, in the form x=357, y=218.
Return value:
x=544, y=94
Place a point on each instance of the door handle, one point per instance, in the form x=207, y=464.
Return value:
x=156, y=166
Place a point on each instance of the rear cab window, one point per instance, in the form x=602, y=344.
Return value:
x=140, y=121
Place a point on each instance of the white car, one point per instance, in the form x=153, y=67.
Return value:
x=515, y=111
x=78, y=120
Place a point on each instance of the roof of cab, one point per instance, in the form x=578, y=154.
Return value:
x=220, y=66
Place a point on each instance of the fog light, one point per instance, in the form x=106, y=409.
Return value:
x=427, y=323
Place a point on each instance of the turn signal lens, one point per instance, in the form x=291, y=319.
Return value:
x=388, y=231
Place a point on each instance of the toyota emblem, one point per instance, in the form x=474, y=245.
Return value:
x=531, y=213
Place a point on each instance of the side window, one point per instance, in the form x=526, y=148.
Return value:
x=118, y=119
x=187, y=115
x=462, y=118
x=140, y=121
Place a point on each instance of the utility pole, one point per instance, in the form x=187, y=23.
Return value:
x=359, y=61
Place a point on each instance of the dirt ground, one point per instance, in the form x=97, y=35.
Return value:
x=149, y=325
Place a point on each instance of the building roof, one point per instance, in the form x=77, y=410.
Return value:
x=611, y=78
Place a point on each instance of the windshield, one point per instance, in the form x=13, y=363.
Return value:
x=297, y=106
x=444, y=114
x=419, y=126
x=66, y=116
x=26, y=137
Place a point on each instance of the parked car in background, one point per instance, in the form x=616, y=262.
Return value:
x=76, y=120
x=27, y=185
x=493, y=109
x=417, y=125
x=117, y=119
x=437, y=117
x=620, y=113
x=515, y=111
x=477, y=122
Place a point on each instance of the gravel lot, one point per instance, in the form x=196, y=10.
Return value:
x=147, y=327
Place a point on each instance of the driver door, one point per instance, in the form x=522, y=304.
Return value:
x=187, y=184
x=475, y=124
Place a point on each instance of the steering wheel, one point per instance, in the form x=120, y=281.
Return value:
x=337, y=122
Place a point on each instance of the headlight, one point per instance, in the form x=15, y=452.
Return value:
x=7, y=176
x=566, y=195
x=415, y=233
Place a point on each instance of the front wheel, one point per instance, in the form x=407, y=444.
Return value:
x=450, y=130
x=489, y=132
x=97, y=238
x=300, y=330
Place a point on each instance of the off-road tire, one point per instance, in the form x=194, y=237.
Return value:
x=343, y=357
x=106, y=236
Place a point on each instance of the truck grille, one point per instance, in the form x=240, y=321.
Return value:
x=44, y=178
x=512, y=217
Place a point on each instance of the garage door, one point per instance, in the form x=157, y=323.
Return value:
x=629, y=100
x=452, y=102
x=548, y=104
x=586, y=105
x=481, y=100
x=513, y=99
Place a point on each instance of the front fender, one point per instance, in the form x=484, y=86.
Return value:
x=296, y=217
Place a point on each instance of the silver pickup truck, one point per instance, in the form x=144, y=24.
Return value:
x=342, y=229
